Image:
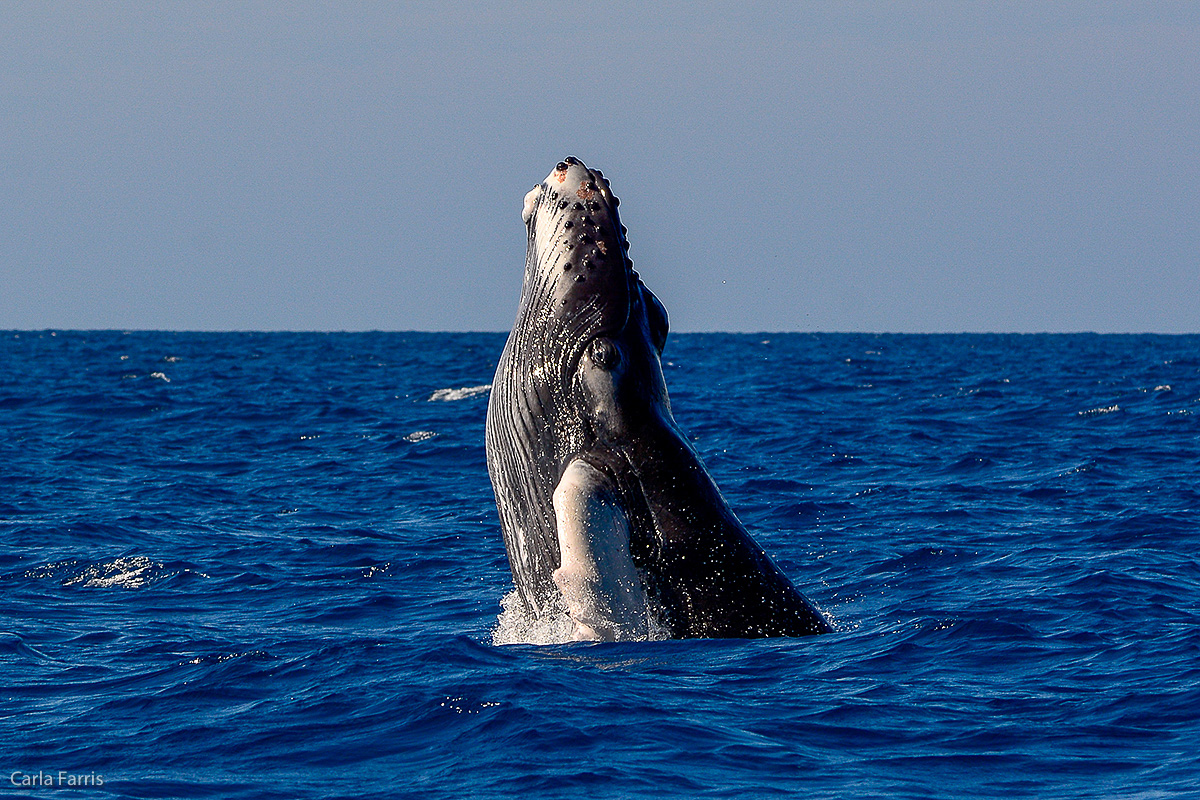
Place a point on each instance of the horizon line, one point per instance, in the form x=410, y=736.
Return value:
x=1079, y=332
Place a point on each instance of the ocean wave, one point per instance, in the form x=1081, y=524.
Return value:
x=129, y=572
x=124, y=573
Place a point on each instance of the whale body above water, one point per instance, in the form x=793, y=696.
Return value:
x=607, y=512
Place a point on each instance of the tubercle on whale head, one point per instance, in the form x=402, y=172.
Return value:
x=575, y=206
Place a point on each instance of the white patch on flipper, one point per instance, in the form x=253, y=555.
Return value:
x=598, y=580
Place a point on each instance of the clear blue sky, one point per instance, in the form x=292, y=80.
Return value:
x=835, y=166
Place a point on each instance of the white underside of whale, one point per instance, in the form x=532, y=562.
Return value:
x=598, y=580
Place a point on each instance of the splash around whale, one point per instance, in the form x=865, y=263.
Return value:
x=614, y=529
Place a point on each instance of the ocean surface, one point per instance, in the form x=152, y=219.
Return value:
x=268, y=565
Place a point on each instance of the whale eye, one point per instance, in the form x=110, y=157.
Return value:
x=603, y=353
x=560, y=166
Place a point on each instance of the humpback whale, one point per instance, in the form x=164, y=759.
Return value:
x=606, y=510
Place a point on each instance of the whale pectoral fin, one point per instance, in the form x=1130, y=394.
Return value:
x=597, y=577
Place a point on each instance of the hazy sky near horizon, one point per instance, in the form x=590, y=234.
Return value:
x=848, y=166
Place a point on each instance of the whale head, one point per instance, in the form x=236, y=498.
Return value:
x=577, y=266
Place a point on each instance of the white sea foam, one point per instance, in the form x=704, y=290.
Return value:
x=447, y=395
x=376, y=569
x=461, y=705
x=420, y=436
x=516, y=625
x=1092, y=412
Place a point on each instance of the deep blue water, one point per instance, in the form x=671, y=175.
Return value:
x=269, y=565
